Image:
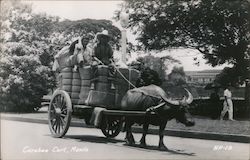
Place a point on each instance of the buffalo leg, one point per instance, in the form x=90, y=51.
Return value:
x=129, y=136
x=161, y=135
x=145, y=130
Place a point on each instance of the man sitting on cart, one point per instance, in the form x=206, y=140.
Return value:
x=102, y=55
x=72, y=55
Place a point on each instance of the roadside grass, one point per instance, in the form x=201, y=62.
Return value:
x=203, y=124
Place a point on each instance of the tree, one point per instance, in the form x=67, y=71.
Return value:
x=24, y=75
x=219, y=29
x=29, y=42
x=225, y=77
x=65, y=31
x=158, y=64
x=177, y=76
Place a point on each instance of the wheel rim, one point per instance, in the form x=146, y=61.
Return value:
x=59, y=114
x=111, y=127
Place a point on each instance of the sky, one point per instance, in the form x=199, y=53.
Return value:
x=104, y=9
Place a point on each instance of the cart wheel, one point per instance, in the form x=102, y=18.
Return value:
x=60, y=110
x=111, y=126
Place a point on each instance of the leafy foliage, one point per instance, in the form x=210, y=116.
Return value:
x=219, y=29
x=158, y=64
x=148, y=77
x=28, y=44
x=25, y=75
x=68, y=29
x=177, y=76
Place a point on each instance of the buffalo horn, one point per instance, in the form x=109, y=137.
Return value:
x=173, y=102
x=190, y=98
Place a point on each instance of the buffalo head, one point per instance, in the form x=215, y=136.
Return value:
x=182, y=115
x=176, y=109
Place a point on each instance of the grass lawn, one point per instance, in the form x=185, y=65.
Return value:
x=202, y=124
x=216, y=126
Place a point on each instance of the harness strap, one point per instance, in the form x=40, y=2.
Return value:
x=124, y=76
x=143, y=92
x=153, y=108
x=130, y=84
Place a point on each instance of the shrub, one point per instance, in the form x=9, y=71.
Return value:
x=24, y=80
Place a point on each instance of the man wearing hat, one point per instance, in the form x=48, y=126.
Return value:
x=102, y=55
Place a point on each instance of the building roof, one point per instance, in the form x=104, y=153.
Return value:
x=203, y=73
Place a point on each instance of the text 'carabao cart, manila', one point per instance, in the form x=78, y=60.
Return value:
x=99, y=106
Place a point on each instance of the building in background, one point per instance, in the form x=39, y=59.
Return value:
x=201, y=77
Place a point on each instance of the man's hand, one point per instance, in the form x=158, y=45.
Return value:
x=98, y=60
x=227, y=101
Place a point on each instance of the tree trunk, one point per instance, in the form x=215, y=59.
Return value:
x=247, y=98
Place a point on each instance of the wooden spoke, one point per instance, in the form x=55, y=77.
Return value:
x=111, y=127
x=58, y=102
x=54, y=106
x=64, y=110
x=63, y=103
x=56, y=124
x=60, y=110
x=52, y=116
x=63, y=115
x=59, y=124
x=53, y=124
x=63, y=121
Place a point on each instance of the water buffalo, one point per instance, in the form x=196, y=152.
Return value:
x=153, y=99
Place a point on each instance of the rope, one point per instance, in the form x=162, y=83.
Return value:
x=123, y=76
x=129, y=77
x=117, y=71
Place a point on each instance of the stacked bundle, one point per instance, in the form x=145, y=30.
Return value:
x=65, y=79
x=77, y=84
x=104, y=95
x=123, y=85
x=85, y=74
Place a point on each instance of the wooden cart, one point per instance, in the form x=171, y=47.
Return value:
x=64, y=103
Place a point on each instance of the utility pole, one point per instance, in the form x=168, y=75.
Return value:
x=124, y=18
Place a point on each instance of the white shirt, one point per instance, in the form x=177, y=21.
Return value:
x=227, y=93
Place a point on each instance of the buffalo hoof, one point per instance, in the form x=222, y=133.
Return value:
x=190, y=124
x=163, y=148
x=130, y=141
x=142, y=144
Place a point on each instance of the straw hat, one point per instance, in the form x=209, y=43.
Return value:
x=103, y=33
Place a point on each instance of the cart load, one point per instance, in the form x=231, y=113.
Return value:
x=97, y=104
x=78, y=85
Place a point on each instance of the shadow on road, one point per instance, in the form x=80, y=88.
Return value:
x=93, y=139
x=97, y=139
x=155, y=148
